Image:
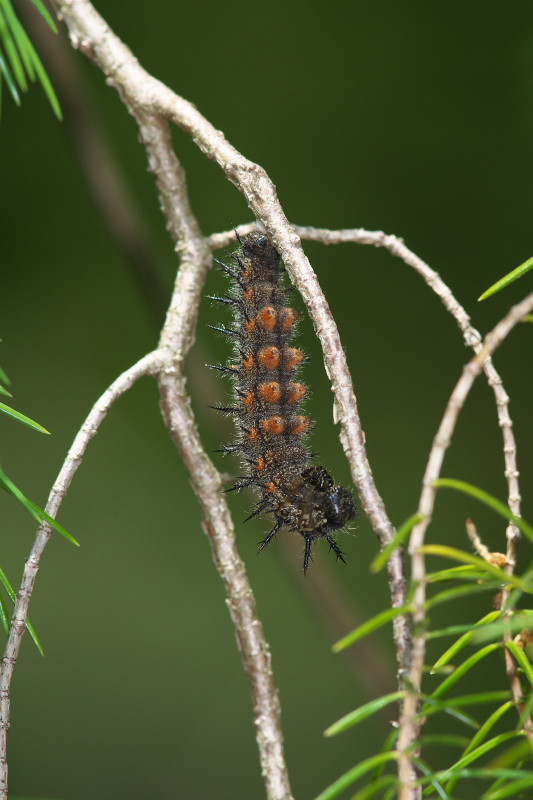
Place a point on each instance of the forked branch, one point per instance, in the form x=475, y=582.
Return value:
x=143, y=94
x=410, y=722
x=153, y=105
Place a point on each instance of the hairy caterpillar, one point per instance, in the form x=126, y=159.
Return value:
x=270, y=430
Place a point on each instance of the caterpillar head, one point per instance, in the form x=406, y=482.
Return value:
x=259, y=254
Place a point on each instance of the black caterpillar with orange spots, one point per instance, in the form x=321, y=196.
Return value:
x=271, y=430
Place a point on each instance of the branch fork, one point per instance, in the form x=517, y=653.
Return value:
x=153, y=105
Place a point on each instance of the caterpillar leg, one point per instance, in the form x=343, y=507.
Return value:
x=336, y=549
x=307, y=556
x=270, y=536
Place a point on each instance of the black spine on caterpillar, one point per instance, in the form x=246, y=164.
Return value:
x=270, y=428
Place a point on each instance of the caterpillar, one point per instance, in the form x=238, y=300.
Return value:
x=271, y=430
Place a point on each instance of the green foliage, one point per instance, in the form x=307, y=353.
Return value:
x=458, y=645
x=369, y=627
x=361, y=713
x=401, y=535
x=20, y=417
x=353, y=775
x=7, y=484
x=489, y=500
x=19, y=62
x=36, y=512
x=500, y=757
x=517, y=273
x=484, y=566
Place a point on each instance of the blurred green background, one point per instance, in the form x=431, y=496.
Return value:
x=411, y=117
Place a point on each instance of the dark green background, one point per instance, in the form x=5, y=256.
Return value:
x=411, y=117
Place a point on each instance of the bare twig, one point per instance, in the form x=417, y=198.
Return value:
x=143, y=93
x=151, y=103
x=175, y=341
x=496, y=559
x=409, y=723
x=472, y=338
x=167, y=364
x=145, y=366
x=240, y=600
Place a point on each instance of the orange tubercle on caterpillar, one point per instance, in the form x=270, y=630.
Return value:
x=267, y=318
x=295, y=392
x=299, y=424
x=273, y=425
x=292, y=357
x=288, y=317
x=269, y=357
x=248, y=400
x=270, y=392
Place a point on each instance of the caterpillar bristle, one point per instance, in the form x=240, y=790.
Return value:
x=228, y=270
x=227, y=450
x=307, y=555
x=261, y=507
x=225, y=331
x=227, y=409
x=234, y=256
x=244, y=484
x=224, y=368
x=225, y=300
x=229, y=301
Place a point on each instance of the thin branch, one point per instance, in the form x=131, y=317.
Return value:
x=218, y=526
x=176, y=339
x=409, y=723
x=143, y=93
x=150, y=102
x=98, y=413
x=167, y=365
x=472, y=338
x=496, y=559
x=219, y=240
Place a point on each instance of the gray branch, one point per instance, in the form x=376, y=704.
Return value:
x=141, y=92
x=153, y=104
x=410, y=722
x=145, y=366
x=144, y=94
